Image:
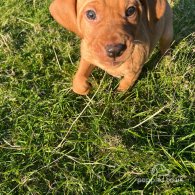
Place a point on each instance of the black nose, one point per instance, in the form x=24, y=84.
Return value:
x=116, y=50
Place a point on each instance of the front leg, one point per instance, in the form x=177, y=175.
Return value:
x=134, y=67
x=128, y=81
x=80, y=84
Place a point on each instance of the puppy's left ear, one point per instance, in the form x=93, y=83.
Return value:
x=64, y=12
x=155, y=9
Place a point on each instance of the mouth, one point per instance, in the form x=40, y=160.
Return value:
x=113, y=63
x=102, y=60
x=117, y=63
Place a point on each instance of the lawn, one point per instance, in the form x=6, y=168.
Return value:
x=53, y=141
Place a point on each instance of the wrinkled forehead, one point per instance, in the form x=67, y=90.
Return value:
x=113, y=4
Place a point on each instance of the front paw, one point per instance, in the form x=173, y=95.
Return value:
x=81, y=87
x=123, y=86
x=122, y=89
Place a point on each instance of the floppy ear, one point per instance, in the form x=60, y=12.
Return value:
x=155, y=9
x=64, y=12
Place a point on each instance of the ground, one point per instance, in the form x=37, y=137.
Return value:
x=53, y=141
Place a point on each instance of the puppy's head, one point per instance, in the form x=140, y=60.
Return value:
x=108, y=28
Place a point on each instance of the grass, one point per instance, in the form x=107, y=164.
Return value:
x=53, y=141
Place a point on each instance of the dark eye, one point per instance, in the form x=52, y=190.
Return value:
x=91, y=15
x=130, y=11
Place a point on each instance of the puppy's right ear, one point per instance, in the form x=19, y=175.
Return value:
x=64, y=12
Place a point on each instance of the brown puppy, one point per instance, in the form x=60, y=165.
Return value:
x=117, y=35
